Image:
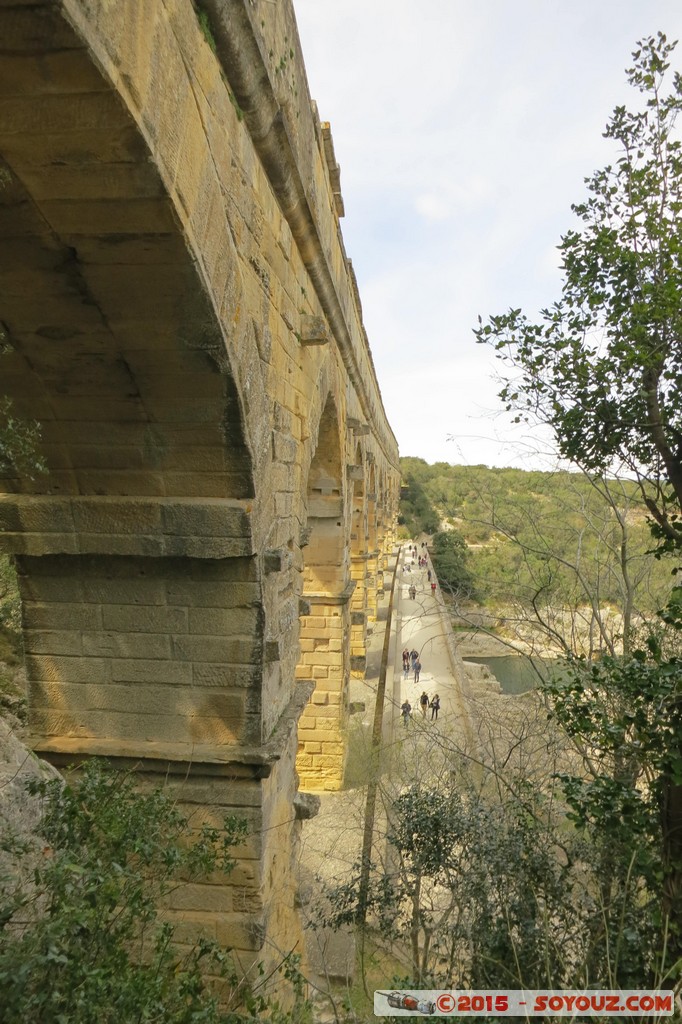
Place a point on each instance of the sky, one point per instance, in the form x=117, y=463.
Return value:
x=464, y=130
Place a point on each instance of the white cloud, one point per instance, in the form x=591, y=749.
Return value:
x=464, y=131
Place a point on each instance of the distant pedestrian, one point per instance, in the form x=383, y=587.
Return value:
x=413, y=656
x=428, y=575
x=413, y=592
x=435, y=706
x=423, y=703
x=406, y=711
x=417, y=670
x=406, y=659
x=433, y=587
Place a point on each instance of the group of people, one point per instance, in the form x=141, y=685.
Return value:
x=424, y=704
x=411, y=661
x=423, y=563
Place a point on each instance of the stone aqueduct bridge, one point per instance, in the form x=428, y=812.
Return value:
x=199, y=563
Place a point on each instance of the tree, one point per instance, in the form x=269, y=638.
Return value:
x=604, y=365
x=450, y=556
x=604, y=368
x=81, y=935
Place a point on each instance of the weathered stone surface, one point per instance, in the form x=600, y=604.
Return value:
x=186, y=328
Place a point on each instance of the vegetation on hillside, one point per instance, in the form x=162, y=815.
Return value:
x=542, y=543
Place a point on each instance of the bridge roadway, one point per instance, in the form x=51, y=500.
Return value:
x=422, y=625
x=202, y=557
x=331, y=842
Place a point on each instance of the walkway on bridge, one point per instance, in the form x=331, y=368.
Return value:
x=332, y=841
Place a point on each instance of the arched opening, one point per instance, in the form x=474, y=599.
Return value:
x=132, y=548
x=324, y=624
x=358, y=617
x=372, y=546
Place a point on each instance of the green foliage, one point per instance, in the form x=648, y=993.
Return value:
x=604, y=365
x=416, y=509
x=206, y=29
x=19, y=443
x=83, y=940
x=10, y=604
x=450, y=556
x=556, y=539
x=490, y=894
x=627, y=715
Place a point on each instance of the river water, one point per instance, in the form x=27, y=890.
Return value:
x=514, y=672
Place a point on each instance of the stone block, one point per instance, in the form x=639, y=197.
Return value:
x=40, y=615
x=74, y=669
x=237, y=931
x=207, y=620
x=218, y=649
x=127, y=645
x=117, y=516
x=145, y=670
x=195, y=897
x=326, y=725
x=328, y=761
x=45, y=641
x=132, y=592
x=212, y=594
x=188, y=929
x=144, y=619
x=204, y=519
x=236, y=676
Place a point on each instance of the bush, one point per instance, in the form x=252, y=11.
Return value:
x=85, y=944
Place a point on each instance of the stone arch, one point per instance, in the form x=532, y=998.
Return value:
x=324, y=626
x=325, y=566
x=373, y=566
x=142, y=610
x=358, y=536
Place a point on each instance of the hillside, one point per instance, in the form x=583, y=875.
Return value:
x=567, y=552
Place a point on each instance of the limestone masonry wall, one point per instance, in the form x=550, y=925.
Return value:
x=201, y=558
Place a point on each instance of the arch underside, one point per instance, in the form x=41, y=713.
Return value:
x=141, y=595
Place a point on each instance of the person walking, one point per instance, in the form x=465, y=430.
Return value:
x=406, y=661
x=423, y=703
x=435, y=706
x=417, y=670
x=406, y=711
x=433, y=588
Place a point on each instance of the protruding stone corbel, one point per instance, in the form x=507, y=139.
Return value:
x=355, y=472
x=271, y=652
x=306, y=805
x=273, y=561
x=357, y=426
x=314, y=330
